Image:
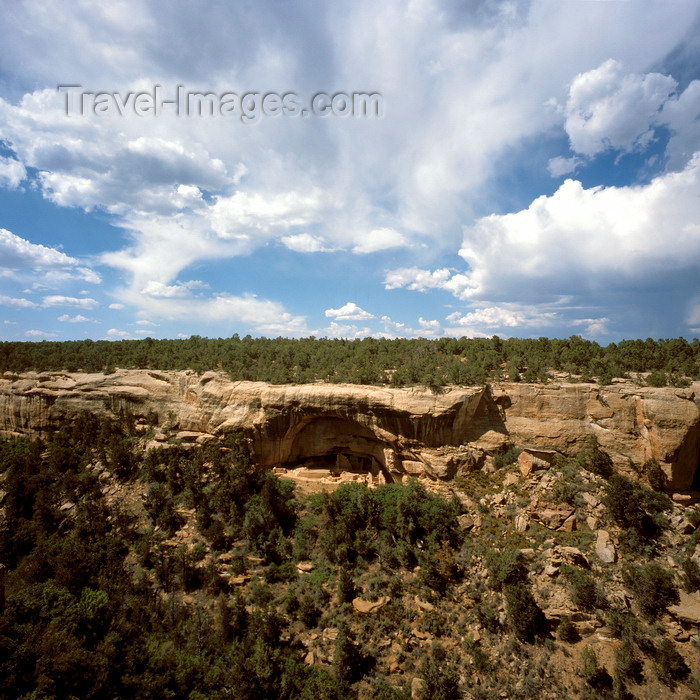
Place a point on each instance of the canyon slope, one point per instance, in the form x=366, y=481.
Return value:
x=379, y=431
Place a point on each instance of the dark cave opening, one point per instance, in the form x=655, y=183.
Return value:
x=696, y=477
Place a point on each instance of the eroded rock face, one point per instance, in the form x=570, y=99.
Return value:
x=630, y=422
x=378, y=429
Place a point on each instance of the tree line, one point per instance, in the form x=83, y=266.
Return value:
x=380, y=361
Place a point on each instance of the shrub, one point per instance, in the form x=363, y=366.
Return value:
x=635, y=508
x=669, y=664
x=510, y=456
x=605, y=378
x=388, y=692
x=505, y=568
x=678, y=380
x=584, y=591
x=308, y=613
x=623, y=625
x=524, y=614
x=346, y=586
x=441, y=682
x=655, y=475
x=275, y=573
x=691, y=575
x=439, y=569
x=657, y=378
x=159, y=505
x=567, y=631
x=488, y=617
x=653, y=587
x=348, y=660
x=480, y=658
x=592, y=458
x=628, y=666
x=596, y=677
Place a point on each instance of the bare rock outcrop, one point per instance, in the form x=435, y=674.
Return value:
x=631, y=423
x=375, y=429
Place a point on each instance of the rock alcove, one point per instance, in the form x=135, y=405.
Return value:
x=332, y=445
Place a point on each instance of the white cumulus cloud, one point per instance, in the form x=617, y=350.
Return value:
x=33, y=333
x=306, y=243
x=347, y=331
x=116, y=334
x=609, y=107
x=17, y=253
x=60, y=300
x=12, y=172
x=579, y=238
x=65, y=318
x=17, y=302
x=379, y=239
x=349, y=312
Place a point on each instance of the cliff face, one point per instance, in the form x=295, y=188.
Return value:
x=378, y=430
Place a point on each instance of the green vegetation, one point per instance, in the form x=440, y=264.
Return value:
x=592, y=458
x=653, y=587
x=670, y=666
x=595, y=677
x=96, y=600
x=636, y=509
x=525, y=615
x=399, y=362
x=584, y=590
x=187, y=572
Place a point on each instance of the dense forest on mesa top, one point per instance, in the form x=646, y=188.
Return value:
x=399, y=362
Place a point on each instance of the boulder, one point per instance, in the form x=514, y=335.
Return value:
x=555, y=516
x=418, y=634
x=575, y=556
x=688, y=609
x=369, y=606
x=522, y=522
x=417, y=687
x=533, y=460
x=413, y=467
x=424, y=605
x=465, y=521
x=604, y=548
x=510, y=480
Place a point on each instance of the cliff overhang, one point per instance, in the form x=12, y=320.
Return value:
x=385, y=433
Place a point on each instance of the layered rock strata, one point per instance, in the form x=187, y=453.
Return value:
x=382, y=431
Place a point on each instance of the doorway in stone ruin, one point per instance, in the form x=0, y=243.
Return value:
x=338, y=445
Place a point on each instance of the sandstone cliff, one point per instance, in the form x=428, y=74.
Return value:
x=384, y=431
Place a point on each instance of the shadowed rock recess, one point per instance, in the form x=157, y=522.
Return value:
x=329, y=430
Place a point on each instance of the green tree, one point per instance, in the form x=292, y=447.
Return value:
x=592, y=458
x=653, y=587
x=441, y=682
x=636, y=509
x=525, y=615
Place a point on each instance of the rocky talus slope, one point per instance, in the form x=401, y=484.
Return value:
x=381, y=431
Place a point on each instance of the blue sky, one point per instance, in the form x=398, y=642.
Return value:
x=534, y=171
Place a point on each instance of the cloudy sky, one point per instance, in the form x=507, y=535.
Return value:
x=525, y=168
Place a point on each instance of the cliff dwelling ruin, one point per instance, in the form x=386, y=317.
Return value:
x=329, y=446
